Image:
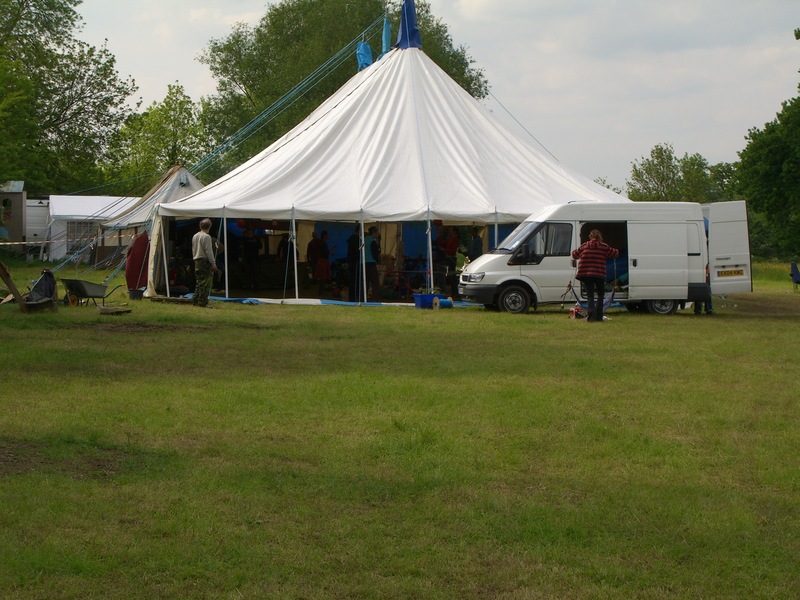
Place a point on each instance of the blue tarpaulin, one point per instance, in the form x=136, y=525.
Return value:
x=364, y=55
x=408, y=36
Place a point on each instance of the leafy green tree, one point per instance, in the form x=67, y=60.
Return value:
x=17, y=121
x=769, y=176
x=74, y=99
x=254, y=67
x=663, y=177
x=655, y=179
x=165, y=134
x=604, y=182
x=31, y=29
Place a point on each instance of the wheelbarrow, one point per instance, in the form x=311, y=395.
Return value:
x=79, y=292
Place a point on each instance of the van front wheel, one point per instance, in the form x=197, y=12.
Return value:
x=662, y=307
x=514, y=299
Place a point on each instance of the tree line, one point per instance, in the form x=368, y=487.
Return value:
x=68, y=125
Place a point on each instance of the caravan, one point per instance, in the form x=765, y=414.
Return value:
x=670, y=253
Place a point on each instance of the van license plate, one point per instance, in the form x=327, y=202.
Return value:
x=731, y=273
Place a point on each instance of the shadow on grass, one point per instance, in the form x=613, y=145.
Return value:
x=81, y=460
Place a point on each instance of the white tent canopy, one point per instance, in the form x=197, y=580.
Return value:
x=401, y=141
x=176, y=183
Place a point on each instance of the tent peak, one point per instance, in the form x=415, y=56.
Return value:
x=408, y=36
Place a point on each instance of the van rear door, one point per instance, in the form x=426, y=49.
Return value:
x=658, y=263
x=729, y=263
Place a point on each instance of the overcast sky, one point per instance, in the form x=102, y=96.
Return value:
x=597, y=82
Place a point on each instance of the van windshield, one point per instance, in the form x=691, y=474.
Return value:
x=517, y=237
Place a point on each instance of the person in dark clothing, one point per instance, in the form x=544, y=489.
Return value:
x=592, y=256
x=323, y=271
x=251, y=250
x=475, y=248
x=372, y=258
x=313, y=253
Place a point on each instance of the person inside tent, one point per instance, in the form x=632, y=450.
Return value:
x=251, y=250
x=475, y=248
x=371, y=261
x=313, y=254
x=323, y=270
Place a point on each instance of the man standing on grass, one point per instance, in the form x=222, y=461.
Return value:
x=204, y=263
x=592, y=257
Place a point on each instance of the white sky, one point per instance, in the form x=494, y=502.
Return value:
x=597, y=82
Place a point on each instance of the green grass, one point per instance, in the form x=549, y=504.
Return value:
x=338, y=452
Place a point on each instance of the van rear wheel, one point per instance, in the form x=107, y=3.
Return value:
x=662, y=307
x=514, y=299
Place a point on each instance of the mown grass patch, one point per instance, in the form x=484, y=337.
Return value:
x=333, y=452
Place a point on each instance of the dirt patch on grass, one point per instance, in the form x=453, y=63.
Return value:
x=151, y=328
x=72, y=459
x=762, y=305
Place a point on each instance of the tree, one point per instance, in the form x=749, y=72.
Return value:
x=663, y=177
x=254, y=67
x=74, y=99
x=165, y=134
x=769, y=176
x=31, y=29
x=17, y=121
x=655, y=179
x=604, y=182
x=83, y=107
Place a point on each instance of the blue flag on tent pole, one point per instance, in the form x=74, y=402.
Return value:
x=408, y=36
x=364, y=55
x=386, y=38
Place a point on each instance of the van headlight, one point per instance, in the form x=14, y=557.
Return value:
x=472, y=277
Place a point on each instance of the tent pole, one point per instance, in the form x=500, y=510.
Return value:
x=362, y=250
x=225, y=246
x=293, y=247
x=164, y=255
x=429, y=281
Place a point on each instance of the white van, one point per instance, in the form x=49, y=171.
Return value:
x=665, y=251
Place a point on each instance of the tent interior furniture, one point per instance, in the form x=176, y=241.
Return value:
x=795, y=273
x=80, y=291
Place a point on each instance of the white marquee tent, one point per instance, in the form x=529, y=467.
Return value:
x=400, y=141
x=177, y=183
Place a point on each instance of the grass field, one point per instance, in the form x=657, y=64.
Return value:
x=388, y=452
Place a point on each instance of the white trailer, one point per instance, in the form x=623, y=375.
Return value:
x=664, y=256
x=37, y=213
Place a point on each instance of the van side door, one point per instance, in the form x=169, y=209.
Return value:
x=729, y=263
x=658, y=261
